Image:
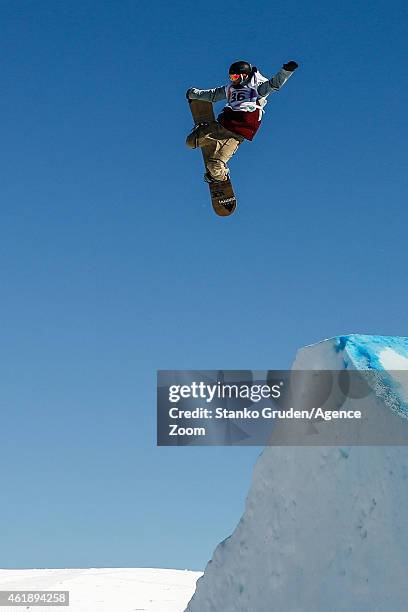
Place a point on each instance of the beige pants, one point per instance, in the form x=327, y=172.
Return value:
x=218, y=145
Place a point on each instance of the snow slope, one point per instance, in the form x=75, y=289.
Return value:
x=324, y=528
x=107, y=590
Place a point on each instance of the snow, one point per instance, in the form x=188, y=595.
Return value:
x=107, y=590
x=391, y=360
x=324, y=528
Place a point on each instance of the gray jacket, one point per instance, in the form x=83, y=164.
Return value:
x=220, y=93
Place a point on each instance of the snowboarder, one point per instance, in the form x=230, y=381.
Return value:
x=241, y=117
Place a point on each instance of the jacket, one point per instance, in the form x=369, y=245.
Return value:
x=245, y=102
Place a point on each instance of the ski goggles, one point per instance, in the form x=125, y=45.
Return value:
x=235, y=77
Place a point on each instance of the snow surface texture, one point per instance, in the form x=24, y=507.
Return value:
x=107, y=590
x=324, y=528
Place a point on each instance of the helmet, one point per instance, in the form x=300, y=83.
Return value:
x=240, y=67
x=239, y=71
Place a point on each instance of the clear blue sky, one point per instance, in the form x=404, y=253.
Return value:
x=113, y=264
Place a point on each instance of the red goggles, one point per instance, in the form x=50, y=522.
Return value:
x=235, y=77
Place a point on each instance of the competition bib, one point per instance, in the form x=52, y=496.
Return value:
x=245, y=98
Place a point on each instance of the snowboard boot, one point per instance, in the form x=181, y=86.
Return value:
x=192, y=138
x=210, y=179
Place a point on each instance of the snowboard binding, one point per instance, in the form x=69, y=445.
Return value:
x=210, y=179
x=192, y=138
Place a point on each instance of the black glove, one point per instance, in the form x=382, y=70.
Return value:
x=290, y=66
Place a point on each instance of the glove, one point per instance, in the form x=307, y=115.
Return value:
x=290, y=66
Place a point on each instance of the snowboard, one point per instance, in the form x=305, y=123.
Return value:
x=222, y=193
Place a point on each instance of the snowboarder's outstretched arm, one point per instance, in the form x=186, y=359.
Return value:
x=280, y=78
x=210, y=95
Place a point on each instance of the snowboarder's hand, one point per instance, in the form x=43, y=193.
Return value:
x=290, y=66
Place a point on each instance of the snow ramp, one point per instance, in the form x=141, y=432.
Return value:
x=324, y=527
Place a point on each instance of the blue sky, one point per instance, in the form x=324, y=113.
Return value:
x=113, y=264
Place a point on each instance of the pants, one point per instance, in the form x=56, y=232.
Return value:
x=218, y=145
